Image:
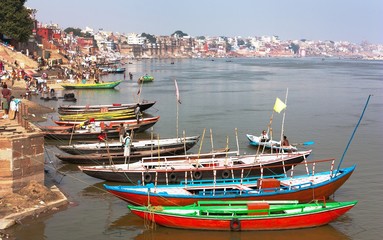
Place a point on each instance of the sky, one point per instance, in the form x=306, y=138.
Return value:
x=337, y=20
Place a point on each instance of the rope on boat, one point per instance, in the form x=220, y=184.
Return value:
x=149, y=222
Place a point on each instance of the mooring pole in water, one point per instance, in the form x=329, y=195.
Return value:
x=353, y=133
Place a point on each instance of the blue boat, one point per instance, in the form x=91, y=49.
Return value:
x=305, y=188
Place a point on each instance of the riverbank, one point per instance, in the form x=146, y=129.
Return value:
x=34, y=199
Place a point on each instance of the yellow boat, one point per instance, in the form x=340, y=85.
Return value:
x=102, y=116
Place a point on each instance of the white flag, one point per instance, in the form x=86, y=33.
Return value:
x=177, y=92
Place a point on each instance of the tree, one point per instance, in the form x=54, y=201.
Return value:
x=179, y=33
x=76, y=31
x=15, y=20
x=150, y=38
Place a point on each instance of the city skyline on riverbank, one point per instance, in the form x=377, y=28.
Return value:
x=337, y=21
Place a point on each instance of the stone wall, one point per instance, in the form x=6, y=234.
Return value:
x=21, y=160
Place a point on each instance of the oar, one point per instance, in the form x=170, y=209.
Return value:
x=308, y=143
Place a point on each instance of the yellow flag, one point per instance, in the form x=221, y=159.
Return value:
x=279, y=105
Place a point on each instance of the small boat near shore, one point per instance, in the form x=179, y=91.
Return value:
x=145, y=79
x=244, y=215
x=173, y=169
x=115, y=146
x=77, y=109
x=118, y=157
x=101, y=85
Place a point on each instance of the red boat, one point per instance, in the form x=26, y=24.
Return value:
x=244, y=215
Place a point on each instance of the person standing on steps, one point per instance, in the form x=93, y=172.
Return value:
x=6, y=93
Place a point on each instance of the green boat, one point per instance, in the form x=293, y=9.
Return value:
x=244, y=215
x=145, y=78
x=103, y=85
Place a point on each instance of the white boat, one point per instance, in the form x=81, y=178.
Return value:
x=270, y=144
x=174, y=169
x=116, y=146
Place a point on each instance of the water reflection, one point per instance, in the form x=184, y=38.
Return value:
x=129, y=224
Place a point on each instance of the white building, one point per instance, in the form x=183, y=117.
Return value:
x=136, y=39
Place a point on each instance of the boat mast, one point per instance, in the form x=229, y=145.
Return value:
x=353, y=133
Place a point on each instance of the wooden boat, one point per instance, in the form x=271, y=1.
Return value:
x=114, y=123
x=271, y=144
x=146, y=78
x=92, y=134
x=113, y=147
x=304, y=188
x=173, y=169
x=104, y=85
x=244, y=215
x=100, y=116
x=118, y=157
x=76, y=109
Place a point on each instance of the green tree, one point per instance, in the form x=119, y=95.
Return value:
x=76, y=31
x=150, y=38
x=179, y=33
x=15, y=20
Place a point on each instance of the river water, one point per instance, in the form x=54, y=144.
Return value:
x=325, y=101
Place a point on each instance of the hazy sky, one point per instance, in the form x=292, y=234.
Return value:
x=348, y=20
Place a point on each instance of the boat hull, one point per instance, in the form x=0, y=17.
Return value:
x=178, y=198
x=247, y=223
x=135, y=146
x=70, y=109
x=110, y=173
x=117, y=158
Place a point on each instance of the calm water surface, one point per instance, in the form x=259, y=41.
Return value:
x=325, y=100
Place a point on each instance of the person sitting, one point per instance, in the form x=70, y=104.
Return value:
x=285, y=142
x=264, y=137
x=286, y=145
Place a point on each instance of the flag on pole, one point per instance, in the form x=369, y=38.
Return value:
x=279, y=105
x=177, y=92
